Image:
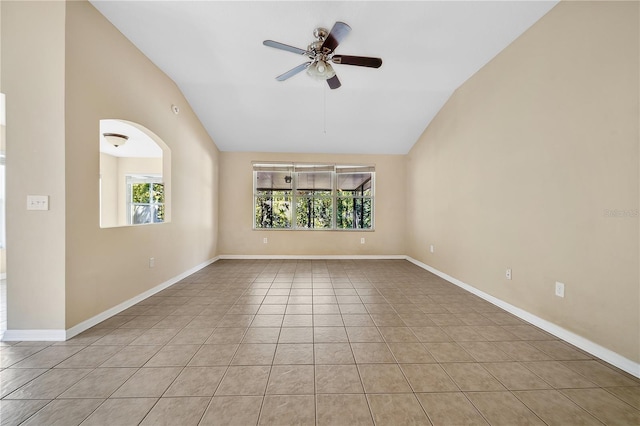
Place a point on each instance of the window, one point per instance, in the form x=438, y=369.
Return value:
x=312, y=196
x=273, y=193
x=135, y=175
x=145, y=199
x=354, y=202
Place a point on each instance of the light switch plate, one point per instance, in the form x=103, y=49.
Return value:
x=37, y=202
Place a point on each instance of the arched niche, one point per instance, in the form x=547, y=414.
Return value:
x=135, y=175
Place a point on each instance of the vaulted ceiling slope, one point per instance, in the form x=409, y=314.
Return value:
x=213, y=51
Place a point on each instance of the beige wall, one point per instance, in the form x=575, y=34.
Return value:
x=108, y=190
x=106, y=266
x=519, y=167
x=236, y=200
x=33, y=50
x=62, y=73
x=3, y=251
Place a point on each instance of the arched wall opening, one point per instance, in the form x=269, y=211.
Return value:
x=135, y=175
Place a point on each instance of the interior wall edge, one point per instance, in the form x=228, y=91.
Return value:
x=87, y=324
x=586, y=345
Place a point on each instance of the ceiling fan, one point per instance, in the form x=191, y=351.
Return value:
x=321, y=53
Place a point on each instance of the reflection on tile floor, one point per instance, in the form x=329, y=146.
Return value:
x=305, y=342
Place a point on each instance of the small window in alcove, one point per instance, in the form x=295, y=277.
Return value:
x=145, y=195
x=134, y=175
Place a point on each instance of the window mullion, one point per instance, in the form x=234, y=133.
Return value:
x=294, y=200
x=334, y=199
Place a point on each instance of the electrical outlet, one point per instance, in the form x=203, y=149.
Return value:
x=559, y=289
x=508, y=274
x=431, y=248
x=265, y=240
x=362, y=240
x=152, y=262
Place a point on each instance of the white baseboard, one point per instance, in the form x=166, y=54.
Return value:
x=313, y=256
x=593, y=348
x=33, y=335
x=62, y=335
x=586, y=345
x=87, y=324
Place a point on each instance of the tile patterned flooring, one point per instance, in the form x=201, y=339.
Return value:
x=246, y=342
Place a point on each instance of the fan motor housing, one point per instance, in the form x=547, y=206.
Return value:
x=320, y=33
x=316, y=46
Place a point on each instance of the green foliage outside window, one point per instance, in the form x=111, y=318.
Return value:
x=158, y=199
x=314, y=209
x=313, y=197
x=147, y=203
x=273, y=209
x=140, y=193
x=353, y=213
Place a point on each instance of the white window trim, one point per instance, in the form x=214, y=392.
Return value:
x=335, y=170
x=131, y=179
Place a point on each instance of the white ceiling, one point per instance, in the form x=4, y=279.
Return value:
x=139, y=143
x=213, y=51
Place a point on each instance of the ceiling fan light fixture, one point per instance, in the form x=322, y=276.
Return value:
x=321, y=70
x=322, y=51
x=115, y=139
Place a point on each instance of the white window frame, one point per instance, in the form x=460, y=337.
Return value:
x=294, y=170
x=131, y=180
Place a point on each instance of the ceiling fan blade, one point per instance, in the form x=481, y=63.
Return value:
x=361, y=61
x=334, y=82
x=339, y=31
x=293, y=71
x=283, y=46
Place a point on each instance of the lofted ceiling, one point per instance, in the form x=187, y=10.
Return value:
x=213, y=51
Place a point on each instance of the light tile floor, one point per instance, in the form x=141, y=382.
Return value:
x=312, y=342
